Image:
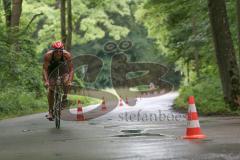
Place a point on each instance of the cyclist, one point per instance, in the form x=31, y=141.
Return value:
x=55, y=58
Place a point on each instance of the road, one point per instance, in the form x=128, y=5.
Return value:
x=125, y=133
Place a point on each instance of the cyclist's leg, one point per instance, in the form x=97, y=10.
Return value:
x=65, y=90
x=50, y=98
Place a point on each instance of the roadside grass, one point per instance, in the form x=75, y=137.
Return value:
x=208, y=99
x=14, y=103
x=141, y=88
x=85, y=101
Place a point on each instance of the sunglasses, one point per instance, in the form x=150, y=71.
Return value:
x=57, y=49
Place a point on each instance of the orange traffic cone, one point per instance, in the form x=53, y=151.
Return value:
x=103, y=105
x=193, y=130
x=120, y=101
x=80, y=116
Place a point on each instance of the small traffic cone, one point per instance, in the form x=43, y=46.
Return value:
x=193, y=130
x=120, y=101
x=126, y=100
x=103, y=105
x=80, y=116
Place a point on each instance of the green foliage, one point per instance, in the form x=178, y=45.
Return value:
x=171, y=24
x=181, y=28
x=90, y=20
x=20, y=68
x=94, y=23
x=85, y=101
x=14, y=103
x=143, y=48
x=208, y=97
x=21, y=87
x=142, y=88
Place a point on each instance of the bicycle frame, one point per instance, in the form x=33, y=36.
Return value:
x=57, y=101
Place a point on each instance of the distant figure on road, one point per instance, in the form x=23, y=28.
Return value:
x=152, y=86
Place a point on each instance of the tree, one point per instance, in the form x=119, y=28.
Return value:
x=181, y=32
x=225, y=54
x=69, y=22
x=16, y=12
x=238, y=25
x=66, y=34
x=7, y=9
x=196, y=53
x=63, y=21
x=13, y=12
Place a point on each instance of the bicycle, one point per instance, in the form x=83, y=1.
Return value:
x=57, y=107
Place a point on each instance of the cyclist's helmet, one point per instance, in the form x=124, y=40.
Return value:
x=57, y=45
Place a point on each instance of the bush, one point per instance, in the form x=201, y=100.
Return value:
x=15, y=102
x=208, y=97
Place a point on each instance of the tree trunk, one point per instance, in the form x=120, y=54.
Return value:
x=63, y=21
x=225, y=54
x=196, y=53
x=238, y=28
x=14, y=26
x=16, y=12
x=69, y=29
x=57, y=4
x=188, y=72
x=7, y=10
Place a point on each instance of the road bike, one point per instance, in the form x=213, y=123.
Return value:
x=57, y=107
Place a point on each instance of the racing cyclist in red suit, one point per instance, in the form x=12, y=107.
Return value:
x=54, y=58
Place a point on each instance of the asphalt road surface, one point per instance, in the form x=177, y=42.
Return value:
x=149, y=130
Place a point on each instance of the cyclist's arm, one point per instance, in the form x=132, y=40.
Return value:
x=70, y=66
x=45, y=67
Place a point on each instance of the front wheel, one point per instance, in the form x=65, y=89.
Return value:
x=58, y=115
x=57, y=109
